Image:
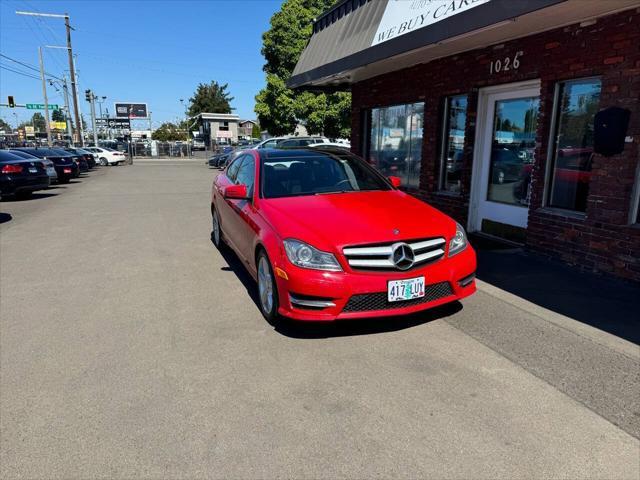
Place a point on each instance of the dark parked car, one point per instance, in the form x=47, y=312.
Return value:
x=65, y=167
x=88, y=156
x=48, y=164
x=21, y=177
x=218, y=160
x=83, y=166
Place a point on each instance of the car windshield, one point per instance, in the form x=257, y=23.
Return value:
x=306, y=173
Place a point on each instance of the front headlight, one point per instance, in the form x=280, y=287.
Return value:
x=459, y=241
x=306, y=256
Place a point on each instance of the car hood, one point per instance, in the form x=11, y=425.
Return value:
x=332, y=221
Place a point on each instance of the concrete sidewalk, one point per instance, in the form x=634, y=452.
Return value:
x=602, y=302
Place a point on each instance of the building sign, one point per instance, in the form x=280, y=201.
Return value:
x=59, y=125
x=224, y=134
x=405, y=16
x=131, y=110
x=117, y=123
x=29, y=130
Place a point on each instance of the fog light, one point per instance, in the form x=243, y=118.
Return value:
x=468, y=280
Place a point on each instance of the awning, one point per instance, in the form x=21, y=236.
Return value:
x=360, y=39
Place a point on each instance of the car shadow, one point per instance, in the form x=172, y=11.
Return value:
x=33, y=196
x=603, y=302
x=5, y=217
x=341, y=328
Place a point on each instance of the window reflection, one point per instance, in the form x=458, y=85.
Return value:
x=396, y=141
x=573, y=153
x=512, y=150
x=455, y=120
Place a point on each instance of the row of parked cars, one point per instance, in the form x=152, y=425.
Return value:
x=24, y=170
x=222, y=158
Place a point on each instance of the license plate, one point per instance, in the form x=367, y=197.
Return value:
x=33, y=170
x=400, y=290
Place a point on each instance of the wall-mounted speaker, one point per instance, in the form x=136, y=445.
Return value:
x=610, y=129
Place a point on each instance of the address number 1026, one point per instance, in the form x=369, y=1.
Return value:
x=506, y=64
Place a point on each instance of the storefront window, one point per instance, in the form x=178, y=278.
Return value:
x=453, y=143
x=395, y=146
x=578, y=102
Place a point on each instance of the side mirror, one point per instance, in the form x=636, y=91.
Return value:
x=395, y=181
x=238, y=192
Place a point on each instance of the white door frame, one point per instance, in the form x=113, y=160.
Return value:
x=479, y=171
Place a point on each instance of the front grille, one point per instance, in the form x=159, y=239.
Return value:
x=378, y=301
x=393, y=256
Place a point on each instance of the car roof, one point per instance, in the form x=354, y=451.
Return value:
x=7, y=156
x=298, y=152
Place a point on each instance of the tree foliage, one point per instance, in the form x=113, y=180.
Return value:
x=57, y=116
x=38, y=122
x=279, y=108
x=255, y=131
x=169, y=132
x=4, y=126
x=212, y=97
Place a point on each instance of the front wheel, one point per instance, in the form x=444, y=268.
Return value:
x=216, y=231
x=267, y=288
x=103, y=162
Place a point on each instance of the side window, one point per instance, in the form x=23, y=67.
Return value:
x=247, y=173
x=232, y=171
x=269, y=144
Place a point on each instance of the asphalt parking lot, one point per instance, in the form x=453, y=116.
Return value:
x=131, y=348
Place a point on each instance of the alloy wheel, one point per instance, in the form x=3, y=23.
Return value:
x=216, y=229
x=265, y=285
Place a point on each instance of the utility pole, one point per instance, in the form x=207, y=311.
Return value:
x=91, y=98
x=150, y=130
x=79, y=126
x=71, y=64
x=65, y=89
x=46, y=101
x=72, y=69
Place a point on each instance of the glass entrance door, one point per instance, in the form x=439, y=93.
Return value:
x=504, y=160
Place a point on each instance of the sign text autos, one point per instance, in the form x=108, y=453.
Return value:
x=404, y=16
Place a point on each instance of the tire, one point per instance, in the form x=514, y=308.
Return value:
x=216, y=229
x=499, y=177
x=267, y=289
x=104, y=162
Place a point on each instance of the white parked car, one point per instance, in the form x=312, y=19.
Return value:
x=107, y=156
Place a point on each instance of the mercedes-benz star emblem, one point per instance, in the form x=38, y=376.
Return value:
x=402, y=256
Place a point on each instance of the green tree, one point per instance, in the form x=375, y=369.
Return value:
x=255, y=131
x=57, y=116
x=169, y=132
x=4, y=126
x=279, y=108
x=38, y=122
x=211, y=97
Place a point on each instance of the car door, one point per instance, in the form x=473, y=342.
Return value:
x=244, y=222
x=225, y=206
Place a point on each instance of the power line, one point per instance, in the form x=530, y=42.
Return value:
x=32, y=67
x=4, y=67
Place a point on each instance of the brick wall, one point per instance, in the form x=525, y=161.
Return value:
x=601, y=239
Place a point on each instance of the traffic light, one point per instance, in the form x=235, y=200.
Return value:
x=11, y=101
x=87, y=95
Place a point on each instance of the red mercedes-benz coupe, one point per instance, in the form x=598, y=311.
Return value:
x=328, y=237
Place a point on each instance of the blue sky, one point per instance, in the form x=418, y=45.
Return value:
x=144, y=51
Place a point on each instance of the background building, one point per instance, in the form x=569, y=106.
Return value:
x=218, y=128
x=486, y=109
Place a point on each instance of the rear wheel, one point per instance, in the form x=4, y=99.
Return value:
x=267, y=289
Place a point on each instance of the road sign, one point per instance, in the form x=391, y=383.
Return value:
x=40, y=106
x=131, y=110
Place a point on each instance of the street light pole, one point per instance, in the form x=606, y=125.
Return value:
x=46, y=101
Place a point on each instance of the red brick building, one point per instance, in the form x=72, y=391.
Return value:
x=486, y=110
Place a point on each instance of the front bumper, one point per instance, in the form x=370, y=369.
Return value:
x=362, y=294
